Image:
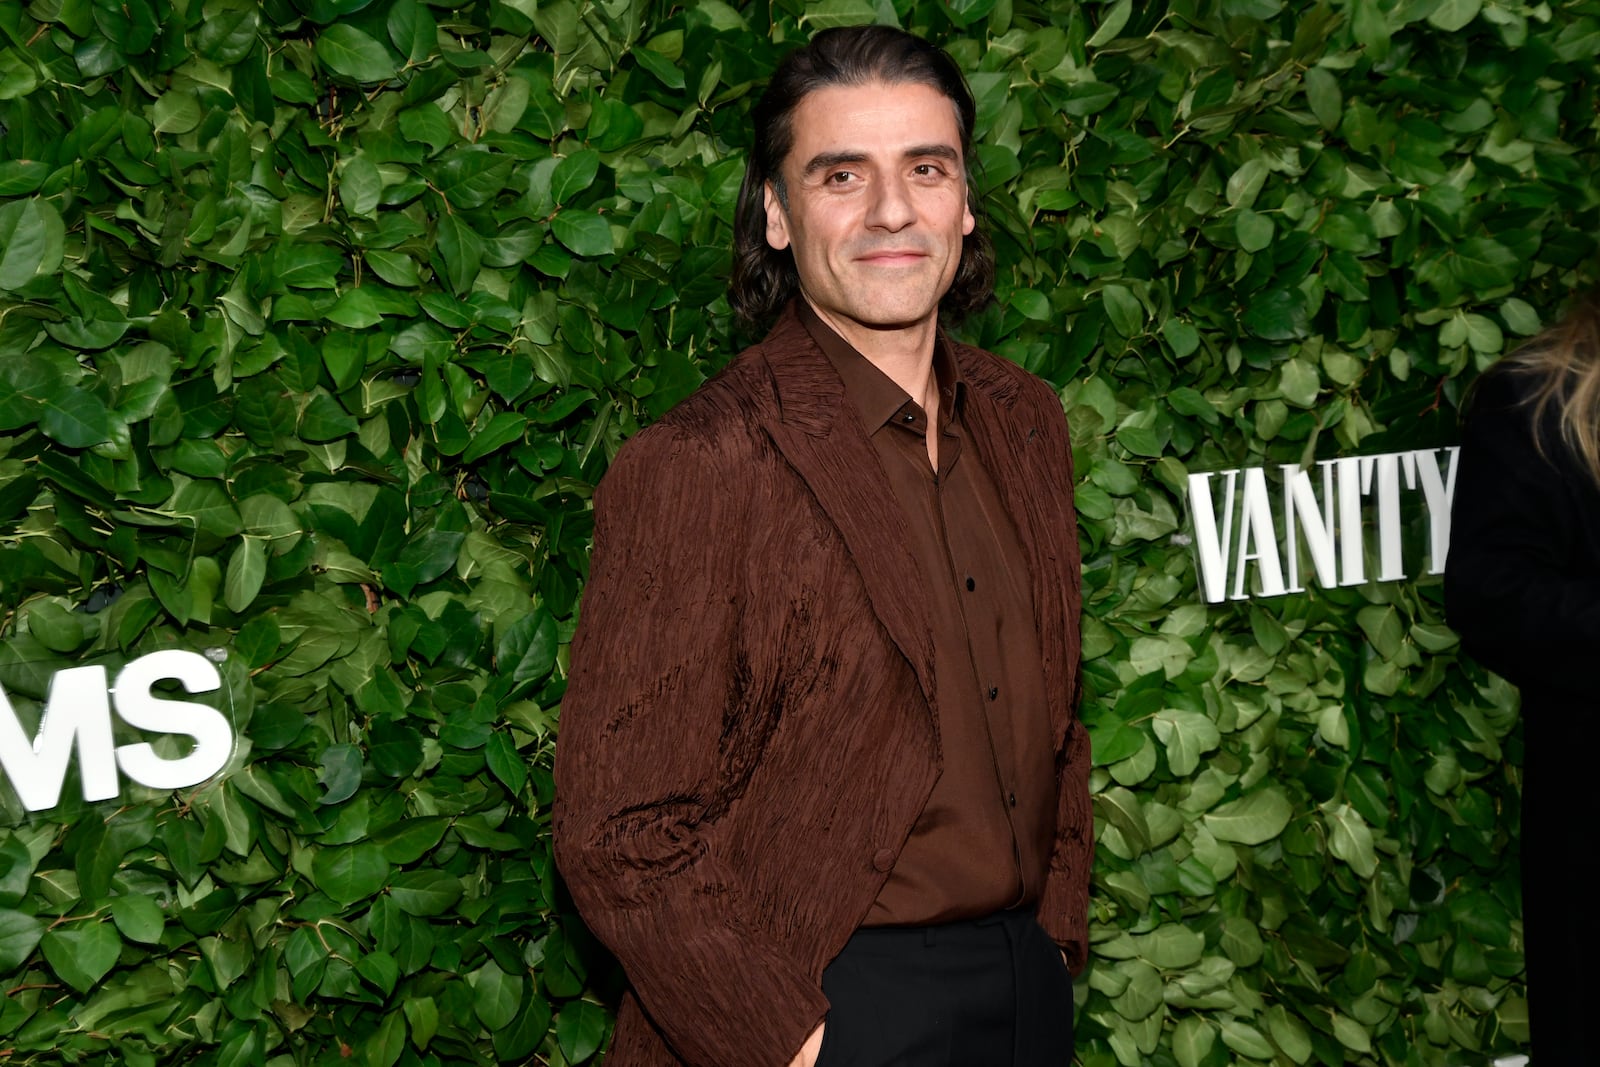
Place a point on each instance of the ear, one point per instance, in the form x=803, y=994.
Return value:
x=777, y=218
x=967, y=221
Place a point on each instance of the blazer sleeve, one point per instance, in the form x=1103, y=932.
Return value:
x=644, y=764
x=1064, y=902
x=1520, y=582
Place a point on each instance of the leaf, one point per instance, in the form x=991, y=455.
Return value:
x=1480, y=263
x=574, y=174
x=271, y=520
x=1289, y=1034
x=583, y=232
x=356, y=310
x=469, y=179
x=176, y=111
x=1325, y=97
x=662, y=68
x=325, y=420
x=425, y=892
x=526, y=1031
x=32, y=240
x=206, y=505
x=1244, y=184
x=247, y=568
x=1350, y=839
x=498, y=995
x=1253, y=819
x=1520, y=316
x=1452, y=16
x=1171, y=946
x=394, y=268
x=21, y=176
x=339, y=774
x=19, y=934
x=1112, y=24
x=1279, y=315
x=385, y=1047
x=347, y=51
x=1254, y=231
x=505, y=763
x=1123, y=308
x=1245, y=1039
x=1351, y=1034
x=580, y=1027
x=1192, y=1041
x=502, y=430
x=139, y=918
x=360, y=185
x=1299, y=383
x=82, y=954
x=422, y=1014
x=411, y=839
x=462, y=249
x=412, y=30
x=527, y=649
x=1187, y=735
x=1382, y=626
x=77, y=418
x=352, y=873
x=1031, y=304
x=308, y=266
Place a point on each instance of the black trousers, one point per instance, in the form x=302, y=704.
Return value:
x=991, y=992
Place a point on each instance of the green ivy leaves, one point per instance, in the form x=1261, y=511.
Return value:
x=32, y=238
x=319, y=321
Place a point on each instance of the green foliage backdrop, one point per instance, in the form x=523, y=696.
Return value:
x=319, y=319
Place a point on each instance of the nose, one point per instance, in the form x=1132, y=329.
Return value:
x=891, y=208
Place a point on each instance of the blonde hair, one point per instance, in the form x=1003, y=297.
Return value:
x=1564, y=364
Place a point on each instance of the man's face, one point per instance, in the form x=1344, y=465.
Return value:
x=877, y=204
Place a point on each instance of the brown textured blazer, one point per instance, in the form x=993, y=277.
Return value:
x=749, y=731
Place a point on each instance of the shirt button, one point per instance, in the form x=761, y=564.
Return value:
x=883, y=859
x=910, y=417
x=994, y=692
x=1012, y=799
x=971, y=585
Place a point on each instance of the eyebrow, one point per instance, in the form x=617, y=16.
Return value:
x=824, y=160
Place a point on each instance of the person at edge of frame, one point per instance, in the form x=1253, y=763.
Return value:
x=820, y=783
x=1522, y=588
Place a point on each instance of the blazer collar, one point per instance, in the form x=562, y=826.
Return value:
x=811, y=394
x=827, y=445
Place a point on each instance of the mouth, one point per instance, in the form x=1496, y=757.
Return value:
x=893, y=258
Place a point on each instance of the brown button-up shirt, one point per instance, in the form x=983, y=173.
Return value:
x=982, y=842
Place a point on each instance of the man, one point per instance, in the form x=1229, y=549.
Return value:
x=820, y=786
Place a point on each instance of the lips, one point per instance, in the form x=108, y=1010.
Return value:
x=893, y=257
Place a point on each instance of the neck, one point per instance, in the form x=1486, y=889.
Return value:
x=904, y=353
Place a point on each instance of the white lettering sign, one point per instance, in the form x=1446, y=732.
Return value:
x=77, y=717
x=1244, y=551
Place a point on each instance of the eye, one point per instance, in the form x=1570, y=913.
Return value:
x=840, y=177
x=928, y=170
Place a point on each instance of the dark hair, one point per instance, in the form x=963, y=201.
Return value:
x=764, y=278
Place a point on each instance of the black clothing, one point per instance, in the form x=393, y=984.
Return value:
x=1522, y=588
x=990, y=992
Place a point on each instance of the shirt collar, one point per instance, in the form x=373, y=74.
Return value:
x=874, y=395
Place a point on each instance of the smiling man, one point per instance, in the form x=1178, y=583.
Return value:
x=820, y=783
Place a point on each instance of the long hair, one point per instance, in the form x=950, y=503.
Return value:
x=1564, y=365
x=764, y=278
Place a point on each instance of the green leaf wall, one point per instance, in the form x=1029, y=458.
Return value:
x=319, y=320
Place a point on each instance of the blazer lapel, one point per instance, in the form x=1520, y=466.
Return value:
x=828, y=447
x=1011, y=444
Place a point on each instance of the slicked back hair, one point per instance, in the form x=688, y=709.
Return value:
x=764, y=278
